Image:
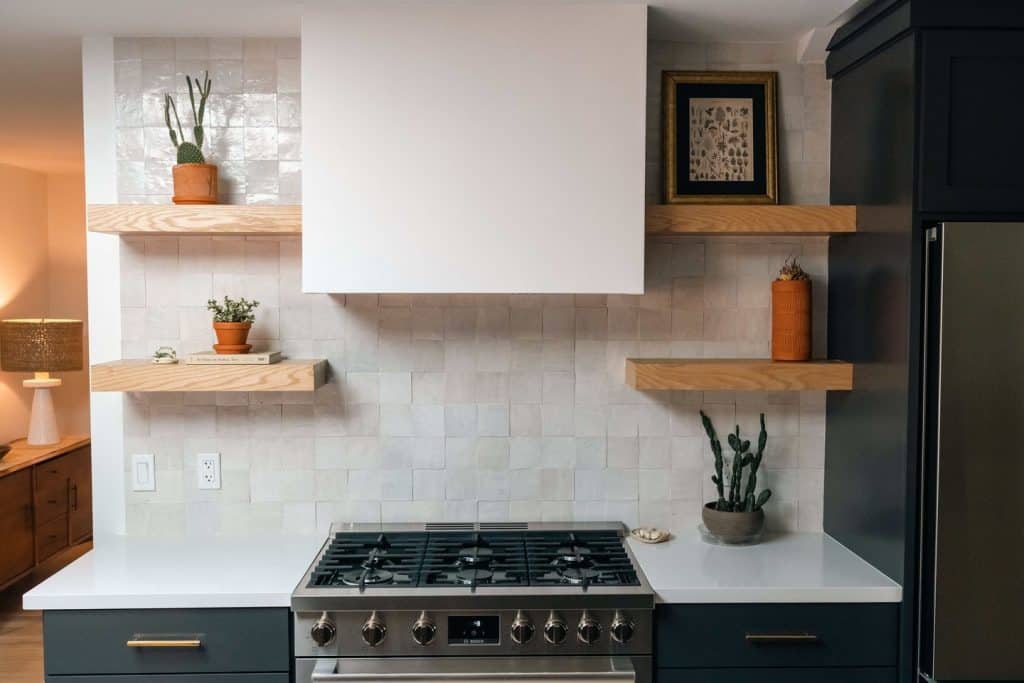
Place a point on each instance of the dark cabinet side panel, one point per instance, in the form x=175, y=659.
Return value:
x=177, y=678
x=870, y=302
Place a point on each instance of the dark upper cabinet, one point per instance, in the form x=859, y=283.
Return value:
x=972, y=105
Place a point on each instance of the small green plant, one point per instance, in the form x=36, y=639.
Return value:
x=738, y=498
x=791, y=270
x=189, y=152
x=232, y=310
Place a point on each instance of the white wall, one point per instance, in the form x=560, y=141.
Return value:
x=23, y=278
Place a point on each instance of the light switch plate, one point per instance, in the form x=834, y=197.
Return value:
x=208, y=470
x=143, y=472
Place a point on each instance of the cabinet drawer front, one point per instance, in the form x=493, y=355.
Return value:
x=51, y=501
x=776, y=635
x=53, y=474
x=869, y=675
x=230, y=640
x=174, y=678
x=51, y=537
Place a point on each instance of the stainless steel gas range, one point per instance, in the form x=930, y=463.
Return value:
x=474, y=602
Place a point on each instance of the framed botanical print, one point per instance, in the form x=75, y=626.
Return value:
x=719, y=137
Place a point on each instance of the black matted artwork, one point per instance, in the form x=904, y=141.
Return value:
x=719, y=137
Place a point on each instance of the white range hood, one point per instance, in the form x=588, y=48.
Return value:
x=473, y=146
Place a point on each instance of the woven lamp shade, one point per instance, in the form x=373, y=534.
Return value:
x=40, y=345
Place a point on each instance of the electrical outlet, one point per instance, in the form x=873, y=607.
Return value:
x=208, y=470
x=143, y=472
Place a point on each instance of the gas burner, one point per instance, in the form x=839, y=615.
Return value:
x=577, y=575
x=574, y=552
x=476, y=554
x=472, y=577
x=367, y=576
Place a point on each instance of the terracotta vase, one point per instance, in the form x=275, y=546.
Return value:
x=195, y=184
x=733, y=527
x=791, y=320
x=231, y=337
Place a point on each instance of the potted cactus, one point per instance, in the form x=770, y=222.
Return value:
x=738, y=514
x=195, y=181
x=791, y=313
x=232, y=320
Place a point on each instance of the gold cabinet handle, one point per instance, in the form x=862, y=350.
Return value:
x=164, y=643
x=768, y=638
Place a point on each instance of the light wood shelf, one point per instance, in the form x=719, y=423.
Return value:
x=740, y=374
x=207, y=219
x=144, y=375
x=749, y=219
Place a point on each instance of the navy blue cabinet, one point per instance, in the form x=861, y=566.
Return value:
x=858, y=643
x=167, y=645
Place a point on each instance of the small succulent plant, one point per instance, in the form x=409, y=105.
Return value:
x=791, y=270
x=189, y=152
x=738, y=498
x=232, y=310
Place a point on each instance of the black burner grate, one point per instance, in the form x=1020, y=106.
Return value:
x=488, y=558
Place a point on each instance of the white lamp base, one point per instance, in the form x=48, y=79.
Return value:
x=42, y=426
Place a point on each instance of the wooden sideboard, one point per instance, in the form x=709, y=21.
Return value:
x=45, y=503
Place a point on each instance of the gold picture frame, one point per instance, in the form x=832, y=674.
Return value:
x=758, y=86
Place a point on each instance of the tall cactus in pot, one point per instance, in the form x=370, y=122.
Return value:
x=195, y=181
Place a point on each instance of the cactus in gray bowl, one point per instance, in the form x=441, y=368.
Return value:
x=739, y=497
x=189, y=152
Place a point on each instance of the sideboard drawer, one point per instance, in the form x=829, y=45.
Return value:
x=52, y=474
x=51, y=537
x=51, y=500
x=199, y=641
x=777, y=635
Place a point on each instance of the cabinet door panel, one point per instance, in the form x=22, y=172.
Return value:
x=762, y=635
x=868, y=675
x=80, y=495
x=17, y=553
x=971, y=147
x=175, y=678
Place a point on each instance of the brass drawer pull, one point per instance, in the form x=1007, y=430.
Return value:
x=769, y=638
x=164, y=643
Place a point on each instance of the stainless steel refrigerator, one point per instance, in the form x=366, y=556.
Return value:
x=971, y=618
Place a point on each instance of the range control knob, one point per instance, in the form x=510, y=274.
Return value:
x=424, y=629
x=622, y=628
x=374, y=630
x=323, y=630
x=522, y=629
x=555, y=629
x=589, y=629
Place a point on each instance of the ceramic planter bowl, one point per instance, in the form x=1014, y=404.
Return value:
x=733, y=527
x=195, y=184
x=231, y=337
x=791, y=320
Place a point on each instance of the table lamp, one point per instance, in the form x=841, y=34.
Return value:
x=41, y=346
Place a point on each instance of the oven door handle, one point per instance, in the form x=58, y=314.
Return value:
x=619, y=669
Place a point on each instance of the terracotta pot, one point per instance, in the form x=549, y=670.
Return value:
x=195, y=184
x=231, y=337
x=733, y=527
x=791, y=320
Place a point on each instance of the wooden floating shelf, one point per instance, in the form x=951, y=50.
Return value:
x=749, y=219
x=144, y=375
x=741, y=374
x=194, y=219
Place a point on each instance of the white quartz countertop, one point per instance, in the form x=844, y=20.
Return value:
x=797, y=567
x=123, y=572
